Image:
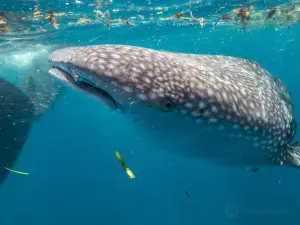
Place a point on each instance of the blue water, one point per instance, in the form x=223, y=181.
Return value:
x=75, y=178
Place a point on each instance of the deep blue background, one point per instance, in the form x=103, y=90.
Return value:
x=75, y=178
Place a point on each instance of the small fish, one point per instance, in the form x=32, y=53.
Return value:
x=271, y=13
x=187, y=194
x=83, y=20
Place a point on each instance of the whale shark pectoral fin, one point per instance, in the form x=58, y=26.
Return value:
x=37, y=118
x=293, y=154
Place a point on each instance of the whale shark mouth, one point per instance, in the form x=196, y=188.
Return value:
x=86, y=86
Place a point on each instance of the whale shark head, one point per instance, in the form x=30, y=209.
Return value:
x=121, y=75
x=231, y=95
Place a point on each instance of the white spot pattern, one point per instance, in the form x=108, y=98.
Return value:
x=215, y=89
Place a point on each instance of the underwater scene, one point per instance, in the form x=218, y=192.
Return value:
x=149, y=112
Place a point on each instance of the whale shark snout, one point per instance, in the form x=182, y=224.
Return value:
x=199, y=98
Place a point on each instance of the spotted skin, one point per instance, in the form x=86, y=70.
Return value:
x=231, y=94
x=16, y=119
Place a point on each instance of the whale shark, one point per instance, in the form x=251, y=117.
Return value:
x=224, y=109
x=16, y=118
x=27, y=91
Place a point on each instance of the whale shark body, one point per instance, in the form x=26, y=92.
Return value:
x=16, y=119
x=225, y=109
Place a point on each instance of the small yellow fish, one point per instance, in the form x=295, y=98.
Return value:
x=2, y=21
x=37, y=15
x=128, y=171
x=59, y=14
x=235, y=10
x=83, y=20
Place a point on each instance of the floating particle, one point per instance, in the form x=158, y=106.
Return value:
x=128, y=171
x=15, y=171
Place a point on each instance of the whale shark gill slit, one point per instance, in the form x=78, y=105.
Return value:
x=103, y=95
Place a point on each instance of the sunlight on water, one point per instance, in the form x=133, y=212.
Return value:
x=23, y=59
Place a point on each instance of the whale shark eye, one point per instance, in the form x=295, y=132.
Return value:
x=167, y=105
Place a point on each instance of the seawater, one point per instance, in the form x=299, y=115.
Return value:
x=75, y=178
